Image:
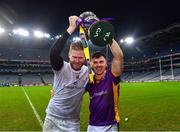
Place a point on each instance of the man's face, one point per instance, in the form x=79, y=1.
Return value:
x=99, y=65
x=76, y=59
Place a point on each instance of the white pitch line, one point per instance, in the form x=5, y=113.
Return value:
x=34, y=109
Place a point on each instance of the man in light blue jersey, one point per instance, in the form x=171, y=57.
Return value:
x=70, y=79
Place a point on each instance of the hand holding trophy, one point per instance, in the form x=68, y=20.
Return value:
x=100, y=32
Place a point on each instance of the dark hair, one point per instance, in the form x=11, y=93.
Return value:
x=98, y=54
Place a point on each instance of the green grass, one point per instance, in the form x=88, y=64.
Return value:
x=15, y=111
x=40, y=97
x=148, y=106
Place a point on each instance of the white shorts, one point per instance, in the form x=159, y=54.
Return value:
x=108, y=128
x=52, y=124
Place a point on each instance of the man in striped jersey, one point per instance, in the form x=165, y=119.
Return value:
x=104, y=113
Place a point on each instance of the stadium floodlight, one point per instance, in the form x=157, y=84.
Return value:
x=46, y=35
x=122, y=40
x=129, y=40
x=2, y=30
x=21, y=32
x=38, y=34
x=58, y=36
x=76, y=39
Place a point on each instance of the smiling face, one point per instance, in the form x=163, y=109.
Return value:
x=76, y=55
x=76, y=59
x=99, y=65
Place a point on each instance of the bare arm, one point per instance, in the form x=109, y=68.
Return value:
x=118, y=59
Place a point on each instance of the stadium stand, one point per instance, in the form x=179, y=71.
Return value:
x=25, y=61
x=162, y=68
x=37, y=72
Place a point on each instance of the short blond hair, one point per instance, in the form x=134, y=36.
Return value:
x=76, y=45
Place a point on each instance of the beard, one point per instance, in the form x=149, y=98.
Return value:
x=76, y=66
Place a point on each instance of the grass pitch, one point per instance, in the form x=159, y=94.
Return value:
x=143, y=107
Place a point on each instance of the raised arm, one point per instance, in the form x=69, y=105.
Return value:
x=118, y=59
x=55, y=57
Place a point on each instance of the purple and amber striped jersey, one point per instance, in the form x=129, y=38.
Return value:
x=104, y=100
